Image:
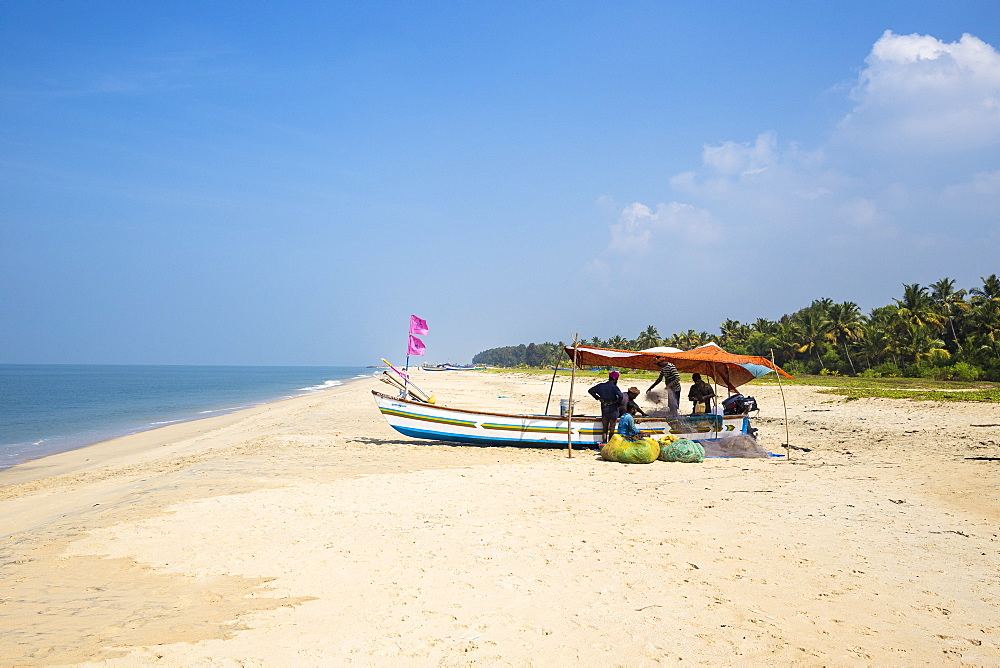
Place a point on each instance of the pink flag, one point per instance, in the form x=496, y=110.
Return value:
x=416, y=346
x=418, y=326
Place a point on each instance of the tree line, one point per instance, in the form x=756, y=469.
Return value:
x=933, y=331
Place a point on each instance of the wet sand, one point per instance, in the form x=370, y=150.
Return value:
x=308, y=532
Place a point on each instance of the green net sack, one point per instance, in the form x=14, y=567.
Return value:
x=643, y=451
x=681, y=450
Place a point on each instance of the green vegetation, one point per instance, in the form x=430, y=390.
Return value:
x=931, y=332
x=850, y=388
x=850, y=393
x=920, y=389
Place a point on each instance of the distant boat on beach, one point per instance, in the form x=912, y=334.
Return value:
x=452, y=367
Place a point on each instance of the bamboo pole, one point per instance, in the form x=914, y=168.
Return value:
x=716, y=424
x=551, y=385
x=569, y=412
x=788, y=445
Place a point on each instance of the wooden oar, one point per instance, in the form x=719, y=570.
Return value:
x=411, y=389
x=389, y=380
x=398, y=384
x=430, y=397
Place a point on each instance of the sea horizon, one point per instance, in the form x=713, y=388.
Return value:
x=46, y=409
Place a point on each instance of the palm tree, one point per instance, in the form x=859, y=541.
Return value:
x=784, y=339
x=948, y=299
x=990, y=290
x=890, y=319
x=734, y=333
x=618, y=342
x=917, y=307
x=844, y=321
x=985, y=317
x=874, y=342
x=730, y=328
x=705, y=337
x=986, y=320
x=649, y=338
x=919, y=342
x=688, y=340
x=822, y=305
x=814, y=331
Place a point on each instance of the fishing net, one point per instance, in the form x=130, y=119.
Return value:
x=741, y=445
x=642, y=451
x=701, y=423
x=674, y=449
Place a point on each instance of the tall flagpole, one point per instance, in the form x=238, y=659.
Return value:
x=414, y=346
x=406, y=367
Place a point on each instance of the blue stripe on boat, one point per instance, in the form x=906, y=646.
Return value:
x=463, y=438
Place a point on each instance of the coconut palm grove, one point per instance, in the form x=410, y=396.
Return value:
x=934, y=331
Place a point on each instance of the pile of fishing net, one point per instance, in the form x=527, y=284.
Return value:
x=741, y=445
x=670, y=448
x=647, y=450
x=673, y=449
x=622, y=450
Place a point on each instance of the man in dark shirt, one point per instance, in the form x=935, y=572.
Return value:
x=700, y=393
x=611, y=399
x=672, y=381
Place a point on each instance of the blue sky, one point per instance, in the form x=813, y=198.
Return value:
x=285, y=183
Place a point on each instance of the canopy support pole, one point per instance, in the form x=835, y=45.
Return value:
x=715, y=385
x=551, y=385
x=569, y=412
x=787, y=443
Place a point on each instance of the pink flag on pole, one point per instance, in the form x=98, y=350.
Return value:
x=416, y=346
x=418, y=326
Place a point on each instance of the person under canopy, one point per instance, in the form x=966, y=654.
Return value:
x=700, y=393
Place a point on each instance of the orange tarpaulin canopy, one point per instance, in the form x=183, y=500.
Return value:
x=708, y=360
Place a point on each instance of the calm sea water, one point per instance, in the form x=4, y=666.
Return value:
x=45, y=409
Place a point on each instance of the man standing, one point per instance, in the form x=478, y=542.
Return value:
x=672, y=381
x=611, y=399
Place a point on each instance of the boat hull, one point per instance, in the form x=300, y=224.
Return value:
x=443, y=423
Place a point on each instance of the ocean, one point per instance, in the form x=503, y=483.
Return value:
x=51, y=408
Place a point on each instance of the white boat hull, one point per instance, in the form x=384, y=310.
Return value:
x=443, y=423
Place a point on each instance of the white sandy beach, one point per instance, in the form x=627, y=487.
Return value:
x=308, y=533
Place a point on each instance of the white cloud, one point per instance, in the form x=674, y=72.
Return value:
x=918, y=94
x=851, y=206
x=978, y=198
x=860, y=212
x=730, y=158
x=982, y=184
x=760, y=184
x=639, y=228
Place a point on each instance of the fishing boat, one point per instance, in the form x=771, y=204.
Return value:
x=426, y=419
x=445, y=423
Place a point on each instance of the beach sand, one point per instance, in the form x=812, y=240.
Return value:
x=307, y=532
